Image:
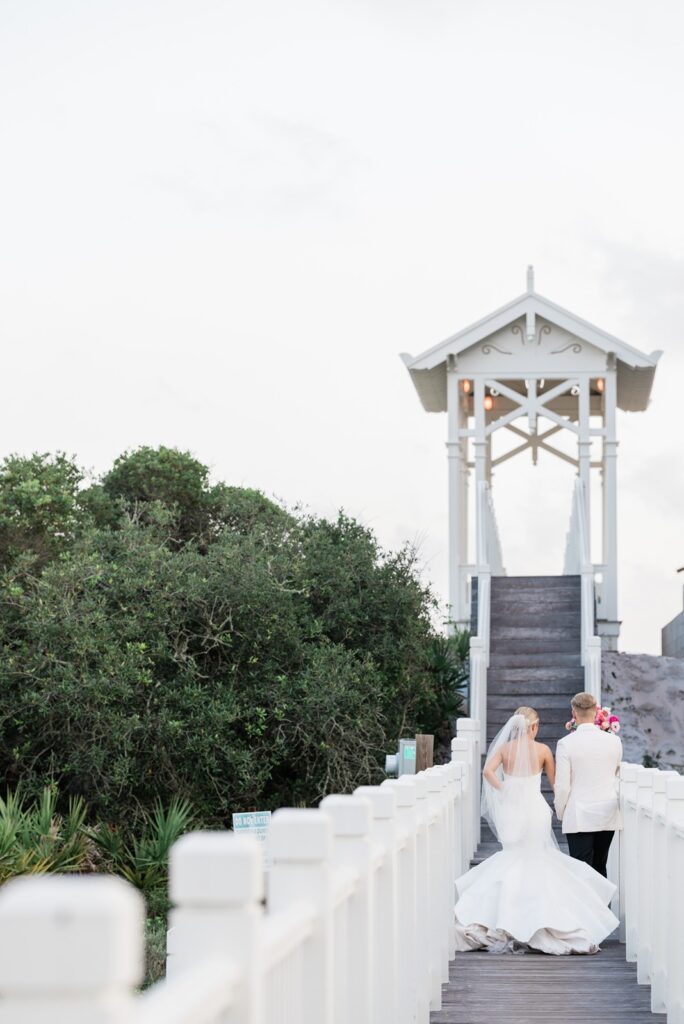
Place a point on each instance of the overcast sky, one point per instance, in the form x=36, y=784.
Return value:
x=221, y=222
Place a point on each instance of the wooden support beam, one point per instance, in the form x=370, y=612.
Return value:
x=425, y=745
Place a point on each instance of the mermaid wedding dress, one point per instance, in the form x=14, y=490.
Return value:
x=529, y=895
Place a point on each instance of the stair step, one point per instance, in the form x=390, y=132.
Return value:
x=522, y=618
x=535, y=688
x=510, y=660
x=521, y=675
x=535, y=645
x=545, y=703
x=532, y=631
x=548, y=723
x=525, y=582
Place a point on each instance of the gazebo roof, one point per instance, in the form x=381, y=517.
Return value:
x=635, y=369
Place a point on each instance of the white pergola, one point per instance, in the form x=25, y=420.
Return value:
x=532, y=360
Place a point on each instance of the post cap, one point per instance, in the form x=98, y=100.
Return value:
x=629, y=772
x=675, y=789
x=350, y=815
x=300, y=834
x=421, y=784
x=209, y=869
x=404, y=791
x=661, y=780
x=437, y=781
x=70, y=935
x=645, y=778
x=383, y=800
x=467, y=725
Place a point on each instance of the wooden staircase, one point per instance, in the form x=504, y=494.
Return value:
x=534, y=662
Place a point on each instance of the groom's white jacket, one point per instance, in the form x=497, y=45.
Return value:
x=586, y=793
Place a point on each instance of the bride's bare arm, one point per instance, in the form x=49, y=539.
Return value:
x=489, y=770
x=549, y=766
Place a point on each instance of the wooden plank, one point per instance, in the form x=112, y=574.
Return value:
x=531, y=988
x=424, y=751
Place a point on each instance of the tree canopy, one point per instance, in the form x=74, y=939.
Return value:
x=164, y=637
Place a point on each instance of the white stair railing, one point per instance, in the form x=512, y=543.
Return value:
x=358, y=921
x=489, y=563
x=651, y=856
x=578, y=563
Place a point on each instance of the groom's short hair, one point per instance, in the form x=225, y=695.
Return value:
x=583, y=701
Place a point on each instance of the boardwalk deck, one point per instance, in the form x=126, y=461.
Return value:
x=533, y=988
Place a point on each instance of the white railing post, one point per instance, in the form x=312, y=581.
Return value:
x=469, y=728
x=674, y=810
x=386, y=923
x=578, y=561
x=300, y=842
x=71, y=950
x=439, y=873
x=450, y=772
x=460, y=859
x=660, y=899
x=461, y=752
x=592, y=667
x=644, y=836
x=477, y=697
x=407, y=892
x=351, y=822
x=216, y=887
x=628, y=787
x=424, y=987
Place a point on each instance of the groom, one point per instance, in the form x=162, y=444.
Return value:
x=587, y=765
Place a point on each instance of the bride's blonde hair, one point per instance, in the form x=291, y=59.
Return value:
x=529, y=714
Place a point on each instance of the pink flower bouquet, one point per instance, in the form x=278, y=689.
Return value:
x=604, y=719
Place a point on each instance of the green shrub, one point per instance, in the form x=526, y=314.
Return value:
x=184, y=640
x=35, y=839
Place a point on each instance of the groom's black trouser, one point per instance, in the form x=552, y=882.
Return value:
x=592, y=848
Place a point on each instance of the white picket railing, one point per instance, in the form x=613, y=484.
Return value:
x=651, y=856
x=357, y=923
x=578, y=563
x=489, y=563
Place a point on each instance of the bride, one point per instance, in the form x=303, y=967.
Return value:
x=529, y=895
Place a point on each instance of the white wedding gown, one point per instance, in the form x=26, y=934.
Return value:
x=529, y=895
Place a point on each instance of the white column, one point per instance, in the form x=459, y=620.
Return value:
x=610, y=603
x=584, y=451
x=463, y=517
x=457, y=553
x=71, y=950
x=480, y=443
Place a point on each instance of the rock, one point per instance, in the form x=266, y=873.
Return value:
x=646, y=692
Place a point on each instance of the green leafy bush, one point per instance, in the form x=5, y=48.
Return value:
x=178, y=639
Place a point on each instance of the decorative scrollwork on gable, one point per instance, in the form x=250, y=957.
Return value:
x=574, y=345
x=517, y=329
x=489, y=347
x=544, y=329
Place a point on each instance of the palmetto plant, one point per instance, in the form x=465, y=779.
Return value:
x=143, y=860
x=35, y=839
